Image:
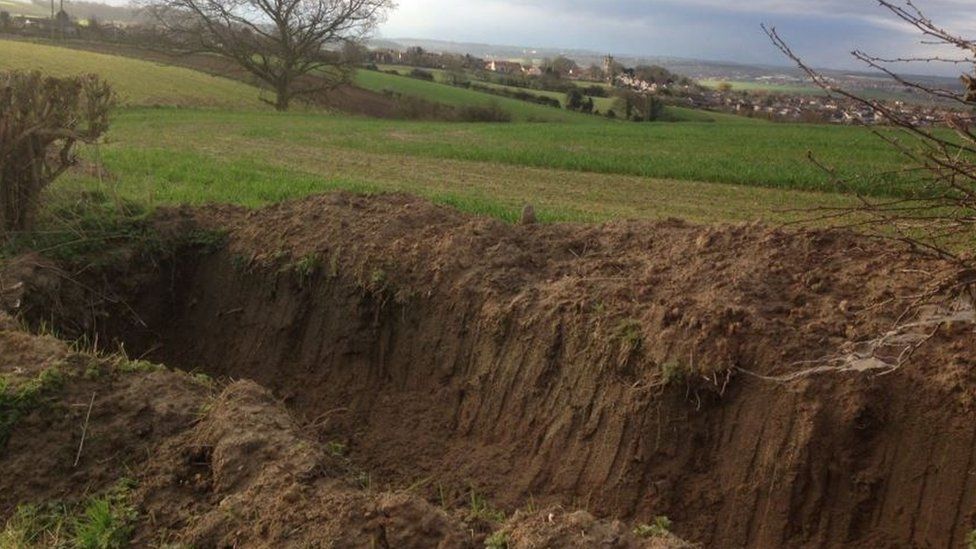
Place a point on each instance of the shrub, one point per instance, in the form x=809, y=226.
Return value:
x=517, y=94
x=483, y=113
x=422, y=75
x=639, y=107
x=42, y=118
x=596, y=91
x=575, y=99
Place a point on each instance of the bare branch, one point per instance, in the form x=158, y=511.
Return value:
x=937, y=215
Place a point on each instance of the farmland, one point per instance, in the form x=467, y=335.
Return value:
x=380, y=81
x=346, y=327
x=752, y=86
x=590, y=170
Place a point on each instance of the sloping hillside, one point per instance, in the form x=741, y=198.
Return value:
x=138, y=82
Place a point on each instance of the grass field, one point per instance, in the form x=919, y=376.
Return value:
x=764, y=86
x=749, y=154
x=592, y=172
x=166, y=157
x=459, y=97
x=137, y=82
x=521, y=110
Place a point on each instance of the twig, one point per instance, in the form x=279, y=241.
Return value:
x=84, y=431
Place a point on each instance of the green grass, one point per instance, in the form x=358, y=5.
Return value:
x=100, y=522
x=158, y=157
x=747, y=154
x=137, y=82
x=659, y=528
x=18, y=400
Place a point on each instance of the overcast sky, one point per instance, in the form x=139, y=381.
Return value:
x=824, y=31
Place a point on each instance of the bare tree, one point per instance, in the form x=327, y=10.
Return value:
x=291, y=45
x=939, y=216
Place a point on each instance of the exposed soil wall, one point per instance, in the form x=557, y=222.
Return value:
x=612, y=368
x=231, y=469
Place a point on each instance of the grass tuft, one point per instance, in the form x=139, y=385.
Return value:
x=661, y=527
x=498, y=540
x=18, y=401
x=481, y=509
x=100, y=522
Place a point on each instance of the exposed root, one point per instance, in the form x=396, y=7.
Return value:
x=885, y=354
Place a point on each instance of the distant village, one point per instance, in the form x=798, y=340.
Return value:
x=63, y=25
x=680, y=91
x=815, y=108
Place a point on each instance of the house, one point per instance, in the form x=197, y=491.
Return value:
x=504, y=67
x=386, y=56
x=64, y=25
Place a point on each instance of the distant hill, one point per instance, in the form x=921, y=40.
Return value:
x=78, y=10
x=21, y=7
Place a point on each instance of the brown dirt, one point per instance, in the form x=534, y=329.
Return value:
x=613, y=368
x=130, y=415
x=233, y=470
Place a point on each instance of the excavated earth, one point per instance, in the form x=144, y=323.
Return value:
x=760, y=387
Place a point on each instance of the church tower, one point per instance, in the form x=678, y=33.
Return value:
x=608, y=68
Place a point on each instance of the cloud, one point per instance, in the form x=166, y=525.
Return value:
x=824, y=30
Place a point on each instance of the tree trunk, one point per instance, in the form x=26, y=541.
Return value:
x=283, y=99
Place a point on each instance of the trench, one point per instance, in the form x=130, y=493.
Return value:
x=528, y=405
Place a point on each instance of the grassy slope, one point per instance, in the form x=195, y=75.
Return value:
x=254, y=158
x=24, y=7
x=458, y=97
x=749, y=154
x=521, y=110
x=137, y=82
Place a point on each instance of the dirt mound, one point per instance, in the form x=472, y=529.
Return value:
x=244, y=476
x=232, y=470
x=47, y=390
x=757, y=386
